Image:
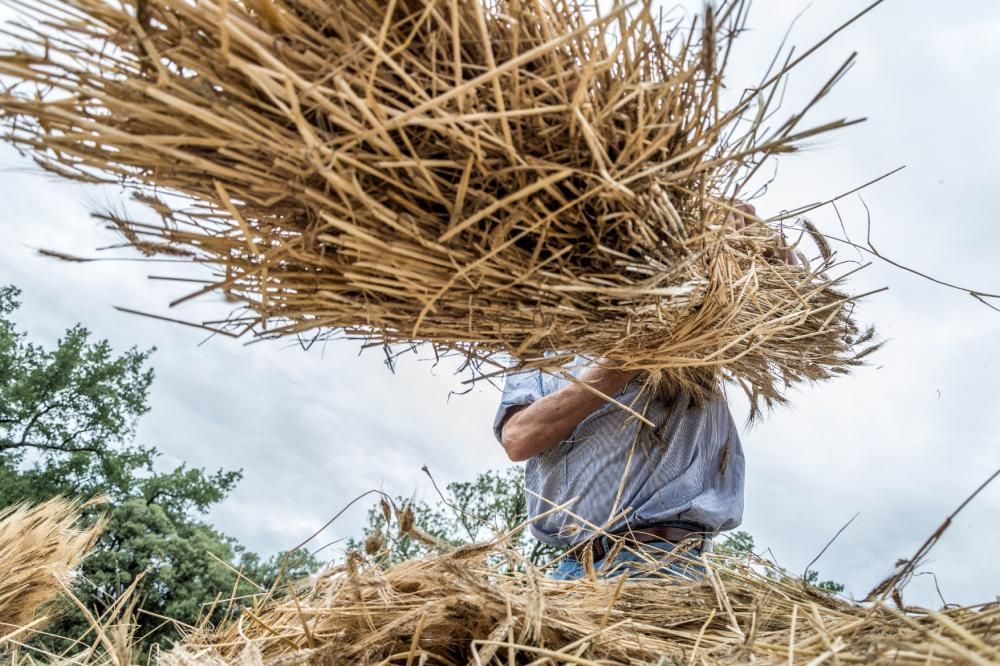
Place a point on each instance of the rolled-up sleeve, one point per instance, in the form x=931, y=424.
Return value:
x=519, y=388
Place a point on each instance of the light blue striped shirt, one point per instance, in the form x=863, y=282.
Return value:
x=689, y=468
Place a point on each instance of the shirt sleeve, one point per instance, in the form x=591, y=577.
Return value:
x=519, y=388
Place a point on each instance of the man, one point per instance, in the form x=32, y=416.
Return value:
x=652, y=488
x=678, y=481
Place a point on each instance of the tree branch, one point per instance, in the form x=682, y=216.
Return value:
x=35, y=419
x=7, y=444
x=72, y=436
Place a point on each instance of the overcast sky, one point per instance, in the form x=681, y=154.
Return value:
x=903, y=441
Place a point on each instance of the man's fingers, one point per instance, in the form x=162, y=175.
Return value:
x=738, y=222
x=781, y=251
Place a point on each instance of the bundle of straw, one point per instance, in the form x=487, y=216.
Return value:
x=39, y=547
x=507, y=176
x=459, y=609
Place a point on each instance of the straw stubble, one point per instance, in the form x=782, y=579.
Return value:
x=467, y=607
x=40, y=547
x=516, y=176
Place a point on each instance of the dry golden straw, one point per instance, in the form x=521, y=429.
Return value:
x=459, y=608
x=511, y=176
x=39, y=548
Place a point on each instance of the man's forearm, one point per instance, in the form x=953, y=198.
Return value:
x=546, y=422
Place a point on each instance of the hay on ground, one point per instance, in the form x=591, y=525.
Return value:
x=511, y=176
x=485, y=604
x=465, y=607
x=40, y=546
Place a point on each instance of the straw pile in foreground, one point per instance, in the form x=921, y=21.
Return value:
x=507, y=176
x=39, y=547
x=460, y=609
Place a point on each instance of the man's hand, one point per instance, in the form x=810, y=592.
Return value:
x=738, y=220
x=535, y=428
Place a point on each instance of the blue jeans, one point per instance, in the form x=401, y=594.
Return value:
x=685, y=566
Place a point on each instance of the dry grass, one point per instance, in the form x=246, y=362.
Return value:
x=464, y=608
x=485, y=604
x=509, y=176
x=39, y=548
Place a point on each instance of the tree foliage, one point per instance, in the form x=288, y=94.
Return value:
x=67, y=421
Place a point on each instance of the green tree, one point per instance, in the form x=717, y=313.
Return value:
x=470, y=512
x=67, y=421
